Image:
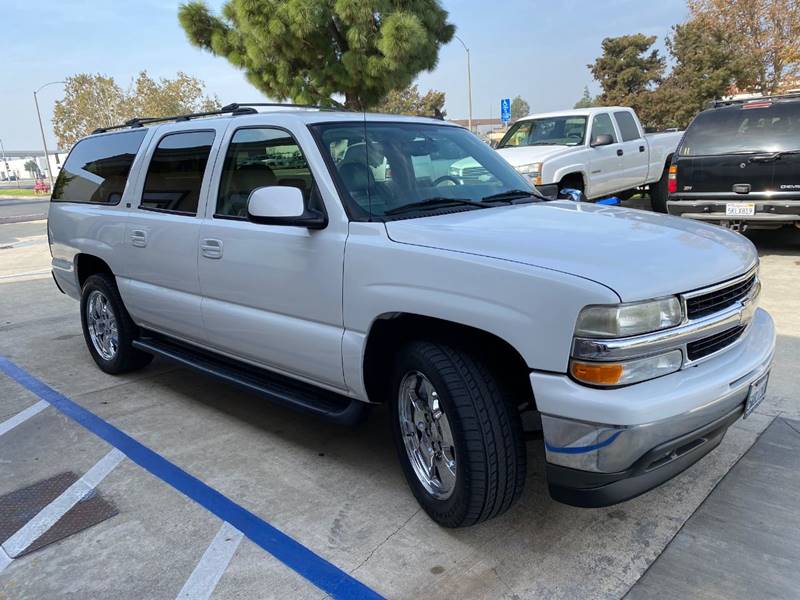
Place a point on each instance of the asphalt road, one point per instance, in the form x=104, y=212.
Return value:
x=23, y=210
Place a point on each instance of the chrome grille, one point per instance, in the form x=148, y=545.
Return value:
x=709, y=345
x=704, y=304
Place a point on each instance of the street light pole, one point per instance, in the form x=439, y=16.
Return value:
x=469, y=81
x=41, y=129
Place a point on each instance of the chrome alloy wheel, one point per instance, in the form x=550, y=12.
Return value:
x=426, y=435
x=102, y=325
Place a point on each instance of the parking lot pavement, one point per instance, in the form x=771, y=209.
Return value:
x=337, y=492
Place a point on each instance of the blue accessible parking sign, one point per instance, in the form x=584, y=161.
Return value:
x=505, y=110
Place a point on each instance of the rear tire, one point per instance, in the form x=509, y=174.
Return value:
x=485, y=451
x=107, y=327
x=659, y=193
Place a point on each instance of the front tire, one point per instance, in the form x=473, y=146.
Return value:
x=458, y=436
x=107, y=327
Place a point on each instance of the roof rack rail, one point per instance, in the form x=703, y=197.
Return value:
x=788, y=96
x=235, y=108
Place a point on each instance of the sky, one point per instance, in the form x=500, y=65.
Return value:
x=536, y=49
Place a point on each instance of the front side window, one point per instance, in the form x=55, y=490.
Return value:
x=550, y=131
x=175, y=174
x=97, y=169
x=262, y=157
x=391, y=169
x=602, y=126
x=627, y=126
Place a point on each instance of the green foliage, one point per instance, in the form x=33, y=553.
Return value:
x=768, y=33
x=709, y=63
x=628, y=71
x=519, y=108
x=586, y=100
x=94, y=101
x=90, y=101
x=408, y=101
x=311, y=50
x=32, y=168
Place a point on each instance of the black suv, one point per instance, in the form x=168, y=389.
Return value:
x=738, y=164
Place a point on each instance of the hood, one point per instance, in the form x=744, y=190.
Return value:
x=524, y=155
x=639, y=255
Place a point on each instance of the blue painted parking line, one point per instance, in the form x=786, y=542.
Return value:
x=290, y=552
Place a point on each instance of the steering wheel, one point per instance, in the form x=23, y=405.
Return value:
x=574, y=134
x=444, y=178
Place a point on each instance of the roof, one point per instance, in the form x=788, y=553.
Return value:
x=255, y=115
x=574, y=112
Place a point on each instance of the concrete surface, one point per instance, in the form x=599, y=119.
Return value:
x=743, y=541
x=338, y=491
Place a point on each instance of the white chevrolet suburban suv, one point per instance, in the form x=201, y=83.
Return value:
x=252, y=246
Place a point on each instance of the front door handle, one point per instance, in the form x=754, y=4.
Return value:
x=211, y=248
x=641, y=148
x=620, y=152
x=139, y=238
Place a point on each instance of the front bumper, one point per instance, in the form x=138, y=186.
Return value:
x=767, y=212
x=605, y=446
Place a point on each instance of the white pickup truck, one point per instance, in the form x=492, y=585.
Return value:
x=255, y=247
x=599, y=151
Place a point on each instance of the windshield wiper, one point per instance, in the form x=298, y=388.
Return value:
x=769, y=157
x=510, y=195
x=436, y=202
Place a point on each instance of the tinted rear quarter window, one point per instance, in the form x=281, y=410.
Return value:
x=771, y=128
x=627, y=126
x=97, y=168
x=176, y=170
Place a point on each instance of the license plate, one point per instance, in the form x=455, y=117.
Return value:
x=758, y=389
x=740, y=209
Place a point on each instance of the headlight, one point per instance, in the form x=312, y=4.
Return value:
x=634, y=318
x=532, y=170
x=626, y=372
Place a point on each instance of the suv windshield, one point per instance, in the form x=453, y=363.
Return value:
x=389, y=169
x=552, y=131
x=766, y=127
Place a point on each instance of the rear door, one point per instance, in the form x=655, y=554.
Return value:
x=635, y=157
x=161, y=286
x=739, y=146
x=605, y=162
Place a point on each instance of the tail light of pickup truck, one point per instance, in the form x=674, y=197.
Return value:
x=672, y=179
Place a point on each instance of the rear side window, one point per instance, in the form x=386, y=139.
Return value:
x=97, y=169
x=764, y=128
x=175, y=174
x=602, y=125
x=627, y=126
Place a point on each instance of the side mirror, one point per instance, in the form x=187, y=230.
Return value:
x=571, y=194
x=602, y=140
x=282, y=205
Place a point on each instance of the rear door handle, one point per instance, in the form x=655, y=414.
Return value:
x=139, y=238
x=211, y=248
x=641, y=148
x=620, y=152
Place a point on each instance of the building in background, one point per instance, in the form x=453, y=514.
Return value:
x=13, y=166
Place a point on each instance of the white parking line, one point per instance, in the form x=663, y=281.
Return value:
x=5, y=559
x=23, y=416
x=212, y=565
x=27, y=274
x=51, y=513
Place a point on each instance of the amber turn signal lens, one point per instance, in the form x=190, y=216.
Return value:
x=596, y=373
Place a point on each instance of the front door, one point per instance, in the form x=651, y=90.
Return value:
x=272, y=294
x=161, y=285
